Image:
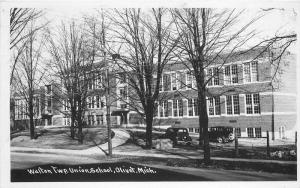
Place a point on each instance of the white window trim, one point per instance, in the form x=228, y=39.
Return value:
x=214, y=105
x=232, y=103
x=252, y=105
x=251, y=81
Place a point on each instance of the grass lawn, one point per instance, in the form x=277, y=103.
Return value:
x=59, y=138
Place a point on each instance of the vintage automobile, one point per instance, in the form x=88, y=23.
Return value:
x=178, y=135
x=221, y=134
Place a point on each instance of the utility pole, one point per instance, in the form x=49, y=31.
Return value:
x=107, y=93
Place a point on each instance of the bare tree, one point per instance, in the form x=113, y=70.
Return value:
x=209, y=38
x=20, y=19
x=29, y=73
x=72, y=60
x=145, y=44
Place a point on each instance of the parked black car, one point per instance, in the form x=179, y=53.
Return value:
x=178, y=135
x=221, y=134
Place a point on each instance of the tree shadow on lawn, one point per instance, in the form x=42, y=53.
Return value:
x=60, y=139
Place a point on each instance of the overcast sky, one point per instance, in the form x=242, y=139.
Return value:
x=276, y=21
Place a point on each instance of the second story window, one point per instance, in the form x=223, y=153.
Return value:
x=174, y=81
x=166, y=82
x=232, y=104
x=122, y=78
x=214, y=107
x=213, y=75
x=250, y=72
x=231, y=75
x=189, y=79
x=123, y=92
x=252, y=103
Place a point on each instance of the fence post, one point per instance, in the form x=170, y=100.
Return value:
x=236, y=143
x=296, y=139
x=268, y=145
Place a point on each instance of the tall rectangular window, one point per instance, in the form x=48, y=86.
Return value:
x=213, y=75
x=250, y=72
x=190, y=107
x=161, y=84
x=196, y=107
x=174, y=81
x=214, y=107
x=167, y=82
x=231, y=75
x=250, y=132
x=98, y=101
x=258, y=132
x=189, y=79
x=123, y=92
x=177, y=107
x=232, y=104
x=252, y=103
x=180, y=107
x=163, y=109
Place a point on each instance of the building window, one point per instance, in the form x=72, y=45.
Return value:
x=167, y=82
x=123, y=106
x=189, y=79
x=191, y=130
x=232, y=104
x=190, y=107
x=123, y=92
x=282, y=132
x=238, y=132
x=98, y=101
x=67, y=121
x=122, y=78
x=251, y=72
x=163, y=109
x=250, y=132
x=214, y=107
x=258, y=132
x=177, y=107
x=252, y=104
x=161, y=84
x=231, y=75
x=91, y=120
x=197, y=130
x=175, y=113
x=98, y=81
x=90, y=101
x=174, y=81
x=213, y=75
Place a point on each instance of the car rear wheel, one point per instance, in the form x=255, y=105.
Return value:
x=219, y=140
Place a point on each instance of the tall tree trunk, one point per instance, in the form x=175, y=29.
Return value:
x=30, y=109
x=204, y=125
x=149, y=121
x=72, y=130
x=80, y=135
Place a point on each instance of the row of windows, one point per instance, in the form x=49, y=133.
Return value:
x=21, y=108
x=251, y=132
x=232, y=104
x=95, y=102
x=182, y=80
